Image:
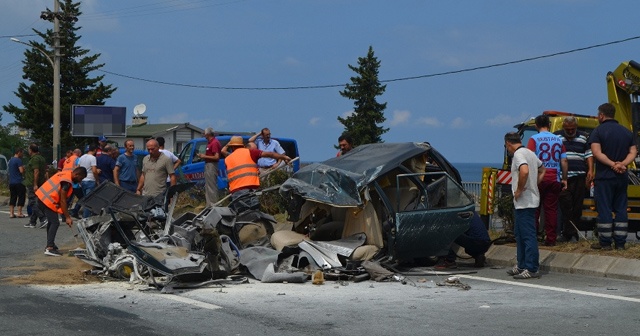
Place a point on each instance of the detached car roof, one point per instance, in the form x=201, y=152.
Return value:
x=338, y=181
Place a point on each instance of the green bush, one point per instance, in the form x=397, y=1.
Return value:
x=506, y=211
x=272, y=202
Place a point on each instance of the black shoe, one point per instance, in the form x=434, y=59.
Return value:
x=597, y=246
x=445, y=264
x=480, y=261
x=619, y=247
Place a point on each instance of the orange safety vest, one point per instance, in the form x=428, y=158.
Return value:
x=70, y=163
x=49, y=192
x=242, y=171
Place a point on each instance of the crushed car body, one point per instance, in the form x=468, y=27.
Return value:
x=136, y=237
x=405, y=197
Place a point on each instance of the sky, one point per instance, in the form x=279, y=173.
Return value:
x=215, y=63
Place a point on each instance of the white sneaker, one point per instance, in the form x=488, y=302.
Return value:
x=525, y=274
x=52, y=252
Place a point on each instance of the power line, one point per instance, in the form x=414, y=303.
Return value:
x=222, y=87
x=529, y=59
x=23, y=35
x=511, y=62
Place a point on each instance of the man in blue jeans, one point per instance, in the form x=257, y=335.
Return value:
x=526, y=199
x=612, y=146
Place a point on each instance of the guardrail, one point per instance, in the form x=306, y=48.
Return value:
x=473, y=188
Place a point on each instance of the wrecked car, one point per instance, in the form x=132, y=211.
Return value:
x=386, y=203
x=136, y=237
x=392, y=202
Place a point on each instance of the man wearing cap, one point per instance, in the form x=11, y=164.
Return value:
x=242, y=166
x=102, y=140
x=211, y=157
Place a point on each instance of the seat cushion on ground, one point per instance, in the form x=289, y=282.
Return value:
x=251, y=233
x=281, y=239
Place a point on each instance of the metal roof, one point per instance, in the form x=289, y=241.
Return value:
x=149, y=130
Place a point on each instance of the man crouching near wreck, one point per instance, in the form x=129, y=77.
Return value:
x=526, y=199
x=52, y=201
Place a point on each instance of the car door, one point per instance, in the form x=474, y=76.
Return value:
x=192, y=166
x=434, y=214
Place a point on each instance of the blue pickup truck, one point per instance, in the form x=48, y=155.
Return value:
x=192, y=167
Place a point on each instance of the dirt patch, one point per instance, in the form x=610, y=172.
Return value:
x=631, y=251
x=45, y=270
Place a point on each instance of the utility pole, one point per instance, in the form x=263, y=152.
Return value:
x=56, y=16
x=56, y=81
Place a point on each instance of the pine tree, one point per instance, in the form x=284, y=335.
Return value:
x=362, y=125
x=76, y=85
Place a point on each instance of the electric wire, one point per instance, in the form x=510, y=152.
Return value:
x=495, y=65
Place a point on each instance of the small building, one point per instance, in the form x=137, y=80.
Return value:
x=175, y=135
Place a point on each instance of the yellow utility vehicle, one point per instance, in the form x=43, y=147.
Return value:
x=623, y=88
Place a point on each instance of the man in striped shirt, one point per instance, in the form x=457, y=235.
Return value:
x=580, y=175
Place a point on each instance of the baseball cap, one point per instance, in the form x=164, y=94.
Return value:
x=102, y=138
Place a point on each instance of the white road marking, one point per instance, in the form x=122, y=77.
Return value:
x=192, y=302
x=555, y=289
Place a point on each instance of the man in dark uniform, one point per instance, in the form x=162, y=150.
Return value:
x=612, y=146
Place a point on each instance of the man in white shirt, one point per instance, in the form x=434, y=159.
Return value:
x=174, y=159
x=526, y=199
x=264, y=143
x=88, y=161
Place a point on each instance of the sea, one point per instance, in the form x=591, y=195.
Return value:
x=469, y=172
x=472, y=172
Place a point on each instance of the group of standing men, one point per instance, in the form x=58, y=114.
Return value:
x=78, y=175
x=244, y=162
x=560, y=166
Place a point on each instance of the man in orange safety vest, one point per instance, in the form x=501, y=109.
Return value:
x=52, y=201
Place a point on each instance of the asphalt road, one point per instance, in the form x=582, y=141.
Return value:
x=495, y=304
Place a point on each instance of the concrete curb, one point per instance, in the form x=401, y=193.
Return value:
x=575, y=263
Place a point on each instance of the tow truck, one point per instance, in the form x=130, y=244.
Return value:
x=623, y=89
